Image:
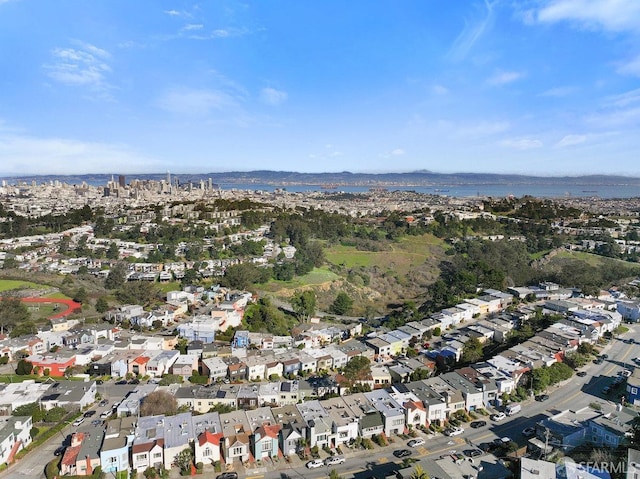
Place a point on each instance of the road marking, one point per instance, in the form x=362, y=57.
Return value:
x=383, y=460
x=255, y=477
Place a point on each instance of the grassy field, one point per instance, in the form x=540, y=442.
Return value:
x=403, y=256
x=315, y=277
x=9, y=284
x=589, y=258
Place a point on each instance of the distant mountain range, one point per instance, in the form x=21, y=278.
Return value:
x=283, y=178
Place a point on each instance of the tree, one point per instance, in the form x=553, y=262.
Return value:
x=357, y=369
x=342, y=304
x=159, y=402
x=102, y=306
x=81, y=295
x=419, y=374
x=184, y=459
x=304, y=304
x=117, y=275
x=12, y=312
x=472, y=351
x=334, y=474
x=244, y=275
x=112, y=251
x=138, y=292
x=418, y=473
x=24, y=368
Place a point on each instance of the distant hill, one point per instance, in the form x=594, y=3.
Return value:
x=283, y=178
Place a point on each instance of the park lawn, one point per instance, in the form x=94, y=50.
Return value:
x=170, y=286
x=315, y=277
x=9, y=284
x=405, y=254
x=589, y=258
x=41, y=311
x=57, y=295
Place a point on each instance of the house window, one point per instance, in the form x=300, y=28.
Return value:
x=206, y=452
x=322, y=437
x=267, y=446
x=112, y=460
x=397, y=422
x=634, y=390
x=142, y=457
x=157, y=455
x=237, y=451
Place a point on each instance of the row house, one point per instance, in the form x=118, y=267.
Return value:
x=118, y=439
x=344, y=421
x=51, y=365
x=29, y=345
x=415, y=413
x=265, y=433
x=82, y=457
x=147, y=449
x=161, y=363
x=184, y=365
x=473, y=394
x=214, y=368
x=15, y=435
x=236, y=432
x=435, y=405
x=392, y=412
x=318, y=424
x=293, y=428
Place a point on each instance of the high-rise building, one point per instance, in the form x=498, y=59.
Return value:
x=121, y=181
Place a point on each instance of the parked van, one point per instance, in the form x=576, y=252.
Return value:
x=512, y=409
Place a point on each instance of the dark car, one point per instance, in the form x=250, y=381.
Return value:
x=59, y=451
x=473, y=452
x=89, y=413
x=581, y=374
x=542, y=397
x=477, y=424
x=104, y=402
x=99, y=381
x=402, y=453
x=487, y=447
x=604, y=356
x=227, y=475
x=121, y=382
x=598, y=361
x=134, y=381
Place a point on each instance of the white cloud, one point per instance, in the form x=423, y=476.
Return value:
x=440, y=90
x=193, y=26
x=571, y=140
x=173, y=13
x=195, y=102
x=609, y=15
x=503, y=78
x=397, y=152
x=471, y=33
x=86, y=65
x=632, y=67
x=624, y=99
x=24, y=155
x=273, y=97
x=521, y=143
x=481, y=129
x=558, y=92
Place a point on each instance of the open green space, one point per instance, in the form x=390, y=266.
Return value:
x=592, y=259
x=401, y=257
x=9, y=284
x=315, y=277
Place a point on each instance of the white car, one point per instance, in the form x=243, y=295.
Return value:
x=625, y=373
x=315, y=463
x=498, y=416
x=78, y=421
x=416, y=442
x=453, y=431
x=330, y=461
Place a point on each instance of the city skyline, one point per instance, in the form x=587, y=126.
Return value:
x=542, y=87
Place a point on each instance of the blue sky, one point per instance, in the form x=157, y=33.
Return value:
x=545, y=87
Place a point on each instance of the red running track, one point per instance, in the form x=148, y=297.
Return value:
x=71, y=305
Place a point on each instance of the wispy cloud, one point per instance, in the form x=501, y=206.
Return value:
x=396, y=152
x=85, y=65
x=559, y=92
x=623, y=99
x=193, y=26
x=440, y=90
x=481, y=129
x=504, y=78
x=273, y=97
x=220, y=33
x=571, y=140
x=521, y=143
x=471, y=33
x=174, y=13
x=195, y=102
x=609, y=15
x=631, y=67
x=24, y=154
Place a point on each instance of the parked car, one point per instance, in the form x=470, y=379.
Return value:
x=227, y=475
x=402, y=453
x=104, y=402
x=134, y=381
x=598, y=361
x=498, y=416
x=478, y=424
x=314, y=463
x=604, y=356
x=473, y=452
x=89, y=413
x=581, y=374
x=106, y=414
x=454, y=431
x=542, y=397
x=625, y=373
x=96, y=422
x=502, y=441
x=330, y=461
x=529, y=431
x=416, y=442
x=78, y=421
x=121, y=382
x=59, y=451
